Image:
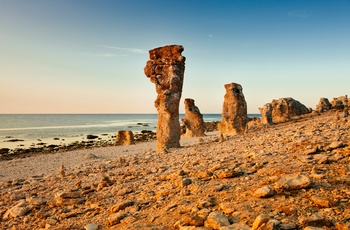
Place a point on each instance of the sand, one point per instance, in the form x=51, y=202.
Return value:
x=286, y=176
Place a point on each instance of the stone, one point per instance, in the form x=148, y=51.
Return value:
x=322, y=201
x=282, y=110
x=91, y=137
x=340, y=226
x=323, y=105
x=216, y=220
x=124, y=137
x=346, y=106
x=68, y=198
x=264, y=192
x=236, y=226
x=91, y=227
x=122, y=206
x=338, y=103
x=314, y=220
x=234, y=111
x=193, y=120
x=115, y=218
x=166, y=69
x=260, y=220
x=292, y=182
x=20, y=209
x=193, y=220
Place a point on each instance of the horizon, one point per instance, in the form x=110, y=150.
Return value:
x=87, y=57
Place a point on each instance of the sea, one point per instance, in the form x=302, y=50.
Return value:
x=27, y=127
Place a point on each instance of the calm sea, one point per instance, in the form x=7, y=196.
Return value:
x=34, y=126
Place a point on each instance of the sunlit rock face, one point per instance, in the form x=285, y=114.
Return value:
x=282, y=110
x=323, y=105
x=165, y=68
x=234, y=111
x=193, y=120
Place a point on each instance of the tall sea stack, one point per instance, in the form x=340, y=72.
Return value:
x=166, y=69
x=234, y=111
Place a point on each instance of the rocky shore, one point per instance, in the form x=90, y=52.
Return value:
x=291, y=175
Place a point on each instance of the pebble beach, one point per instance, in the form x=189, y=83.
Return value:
x=292, y=175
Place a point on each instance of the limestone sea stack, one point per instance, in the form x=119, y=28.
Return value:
x=166, y=69
x=193, y=120
x=234, y=111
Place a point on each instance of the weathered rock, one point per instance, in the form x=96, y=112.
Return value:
x=91, y=227
x=20, y=209
x=122, y=206
x=68, y=198
x=193, y=120
x=91, y=137
x=124, y=137
x=282, y=110
x=166, y=70
x=216, y=220
x=293, y=181
x=314, y=220
x=234, y=111
x=339, y=103
x=323, y=105
x=236, y=226
x=313, y=228
x=115, y=218
x=264, y=192
x=322, y=201
x=260, y=221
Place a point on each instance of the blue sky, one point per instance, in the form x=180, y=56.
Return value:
x=87, y=56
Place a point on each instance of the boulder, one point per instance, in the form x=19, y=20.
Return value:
x=282, y=110
x=166, y=69
x=193, y=120
x=124, y=137
x=234, y=111
x=323, y=105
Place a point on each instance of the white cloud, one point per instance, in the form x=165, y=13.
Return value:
x=299, y=13
x=129, y=50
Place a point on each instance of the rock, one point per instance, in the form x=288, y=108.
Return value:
x=314, y=220
x=91, y=227
x=261, y=220
x=115, y=218
x=282, y=110
x=292, y=182
x=236, y=226
x=68, y=198
x=91, y=137
x=193, y=220
x=193, y=120
x=338, y=103
x=264, y=192
x=4, y=151
x=216, y=220
x=313, y=228
x=20, y=209
x=340, y=226
x=336, y=144
x=124, y=137
x=322, y=201
x=166, y=69
x=323, y=105
x=122, y=206
x=234, y=111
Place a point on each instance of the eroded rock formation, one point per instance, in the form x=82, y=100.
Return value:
x=323, y=105
x=339, y=102
x=234, y=111
x=282, y=110
x=193, y=120
x=124, y=137
x=166, y=69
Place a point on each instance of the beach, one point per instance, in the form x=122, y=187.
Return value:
x=284, y=176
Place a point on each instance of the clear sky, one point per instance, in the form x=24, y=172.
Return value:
x=87, y=56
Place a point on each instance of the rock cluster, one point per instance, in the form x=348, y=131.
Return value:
x=323, y=105
x=193, y=120
x=282, y=110
x=165, y=68
x=234, y=111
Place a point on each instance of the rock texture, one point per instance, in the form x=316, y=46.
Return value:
x=282, y=110
x=193, y=120
x=124, y=137
x=166, y=70
x=339, y=102
x=234, y=111
x=323, y=105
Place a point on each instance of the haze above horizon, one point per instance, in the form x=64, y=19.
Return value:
x=87, y=56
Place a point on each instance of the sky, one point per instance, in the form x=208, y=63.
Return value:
x=88, y=56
